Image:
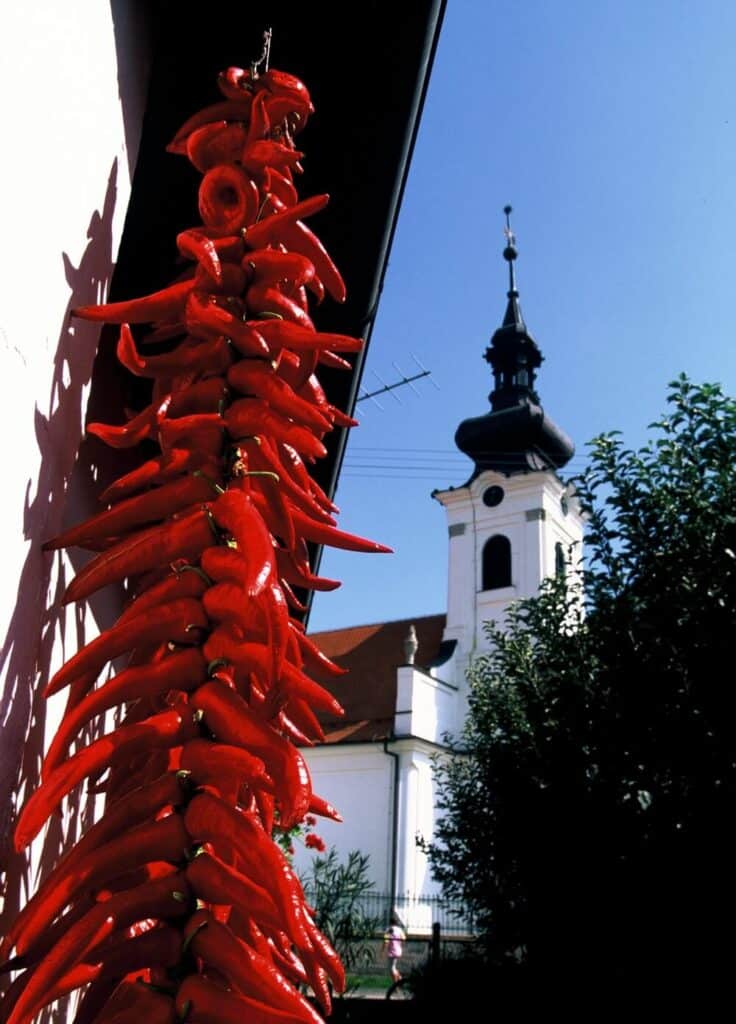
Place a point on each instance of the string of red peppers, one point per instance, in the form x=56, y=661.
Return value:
x=177, y=903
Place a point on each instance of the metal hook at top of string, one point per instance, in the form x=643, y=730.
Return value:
x=265, y=54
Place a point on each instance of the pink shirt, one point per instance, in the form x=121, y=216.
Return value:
x=395, y=936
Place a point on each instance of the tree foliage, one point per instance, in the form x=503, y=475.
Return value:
x=337, y=892
x=588, y=814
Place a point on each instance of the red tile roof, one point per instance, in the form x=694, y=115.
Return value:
x=368, y=692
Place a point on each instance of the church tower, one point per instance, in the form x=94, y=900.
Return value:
x=514, y=522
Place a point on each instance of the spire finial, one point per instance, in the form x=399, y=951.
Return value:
x=510, y=253
x=411, y=645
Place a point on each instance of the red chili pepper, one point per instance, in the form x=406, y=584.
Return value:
x=100, y=994
x=137, y=429
x=291, y=731
x=250, y=572
x=315, y=659
x=219, y=142
x=208, y=819
x=266, y=495
x=299, y=238
x=157, y=546
x=292, y=600
x=262, y=153
x=298, y=338
x=273, y=267
x=214, y=881
x=235, y=83
x=197, y=246
x=255, y=657
x=182, y=670
x=229, y=110
x=319, y=806
x=140, y=805
x=167, y=304
x=262, y=299
x=228, y=199
x=206, y=319
x=262, y=456
x=290, y=571
x=35, y=994
x=253, y=416
x=200, y=1001
x=335, y=362
x=159, y=470
x=326, y=955
x=305, y=720
x=269, y=230
x=234, y=512
x=118, y=957
x=321, y=533
x=183, y=581
x=162, y=731
x=283, y=188
x=228, y=602
x=202, y=433
x=209, y=762
x=140, y=510
x=232, y=721
x=163, y=899
x=173, y=623
x=233, y=281
x=252, y=377
x=294, y=465
x=151, y=1006
x=280, y=83
x=211, y=356
x=165, y=840
x=253, y=974
x=317, y=976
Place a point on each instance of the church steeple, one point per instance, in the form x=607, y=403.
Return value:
x=515, y=436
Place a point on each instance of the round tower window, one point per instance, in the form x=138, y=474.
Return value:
x=493, y=496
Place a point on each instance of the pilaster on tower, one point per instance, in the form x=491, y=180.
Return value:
x=514, y=522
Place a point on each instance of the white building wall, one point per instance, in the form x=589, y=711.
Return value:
x=72, y=85
x=357, y=779
x=425, y=705
x=534, y=518
x=416, y=820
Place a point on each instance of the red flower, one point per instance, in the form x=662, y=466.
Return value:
x=314, y=842
x=310, y=821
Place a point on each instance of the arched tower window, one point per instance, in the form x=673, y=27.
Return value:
x=559, y=559
x=496, y=563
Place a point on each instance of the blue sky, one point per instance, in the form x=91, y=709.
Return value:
x=611, y=131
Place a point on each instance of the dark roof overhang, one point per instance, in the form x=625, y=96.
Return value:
x=367, y=67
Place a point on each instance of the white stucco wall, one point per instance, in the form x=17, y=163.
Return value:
x=417, y=811
x=531, y=516
x=73, y=78
x=357, y=779
x=425, y=705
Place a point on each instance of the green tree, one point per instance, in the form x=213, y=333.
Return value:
x=338, y=893
x=588, y=814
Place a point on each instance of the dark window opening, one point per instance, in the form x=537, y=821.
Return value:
x=497, y=563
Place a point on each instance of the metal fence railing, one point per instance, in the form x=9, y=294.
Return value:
x=417, y=914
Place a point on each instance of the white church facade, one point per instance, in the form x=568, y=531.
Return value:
x=513, y=523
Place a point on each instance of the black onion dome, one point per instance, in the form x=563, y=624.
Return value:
x=516, y=436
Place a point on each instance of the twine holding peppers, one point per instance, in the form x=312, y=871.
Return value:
x=178, y=904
